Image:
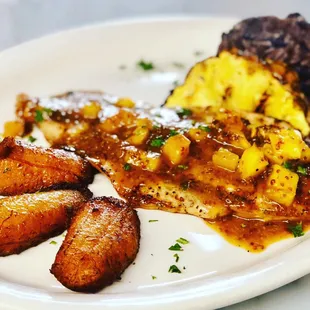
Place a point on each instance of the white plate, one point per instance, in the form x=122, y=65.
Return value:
x=217, y=273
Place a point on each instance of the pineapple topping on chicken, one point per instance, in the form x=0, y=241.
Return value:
x=203, y=161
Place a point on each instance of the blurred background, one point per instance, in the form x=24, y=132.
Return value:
x=21, y=20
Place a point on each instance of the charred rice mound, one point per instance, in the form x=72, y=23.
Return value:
x=286, y=40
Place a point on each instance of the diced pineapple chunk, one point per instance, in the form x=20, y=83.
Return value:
x=240, y=141
x=125, y=103
x=144, y=122
x=13, y=129
x=281, y=185
x=91, y=110
x=271, y=156
x=197, y=134
x=114, y=123
x=145, y=160
x=225, y=159
x=287, y=144
x=176, y=149
x=139, y=136
x=252, y=162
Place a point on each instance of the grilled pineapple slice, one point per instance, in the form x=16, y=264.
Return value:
x=242, y=83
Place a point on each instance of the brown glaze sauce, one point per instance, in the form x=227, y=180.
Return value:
x=202, y=189
x=253, y=235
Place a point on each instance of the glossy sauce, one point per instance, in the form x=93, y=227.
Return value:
x=253, y=235
x=202, y=189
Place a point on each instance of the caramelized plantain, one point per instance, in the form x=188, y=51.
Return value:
x=26, y=168
x=27, y=220
x=102, y=241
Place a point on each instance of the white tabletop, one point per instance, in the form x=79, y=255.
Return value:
x=21, y=20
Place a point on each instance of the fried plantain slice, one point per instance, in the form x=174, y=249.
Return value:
x=27, y=220
x=26, y=168
x=102, y=241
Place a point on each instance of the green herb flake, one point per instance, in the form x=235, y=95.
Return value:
x=184, y=112
x=243, y=225
x=156, y=127
x=38, y=116
x=287, y=165
x=302, y=170
x=175, y=247
x=32, y=139
x=154, y=278
x=158, y=142
x=178, y=65
x=146, y=66
x=183, y=167
x=182, y=241
x=153, y=221
x=173, y=133
x=297, y=230
x=204, y=128
x=174, y=269
x=53, y=242
x=5, y=170
x=127, y=167
x=177, y=257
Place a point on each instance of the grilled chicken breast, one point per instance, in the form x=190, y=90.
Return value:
x=204, y=161
x=102, y=241
x=27, y=220
x=26, y=168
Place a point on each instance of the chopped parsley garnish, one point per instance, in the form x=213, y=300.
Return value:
x=38, y=117
x=156, y=127
x=183, y=167
x=175, y=83
x=296, y=230
x=153, y=221
x=302, y=170
x=146, y=66
x=39, y=114
x=184, y=112
x=177, y=257
x=174, y=269
x=175, y=247
x=178, y=65
x=154, y=278
x=158, y=142
x=173, y=133
x=122, y=67
x=127, y=167
x=5, y=170
x=204, y=128
x=32, y=139
x=53, y=242
x=182, y=241
x=287, y=165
